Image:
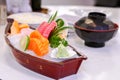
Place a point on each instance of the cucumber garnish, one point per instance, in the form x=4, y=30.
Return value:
x=24, y=42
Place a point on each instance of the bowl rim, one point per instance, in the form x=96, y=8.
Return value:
x=28, y=14
x=85, y=29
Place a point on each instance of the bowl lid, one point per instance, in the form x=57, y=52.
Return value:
x=95, y=21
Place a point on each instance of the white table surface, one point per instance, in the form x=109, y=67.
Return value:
x=102, y=63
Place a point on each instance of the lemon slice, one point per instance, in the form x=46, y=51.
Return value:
x=24, y=42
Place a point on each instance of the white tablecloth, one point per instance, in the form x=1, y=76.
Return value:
x=102, y=63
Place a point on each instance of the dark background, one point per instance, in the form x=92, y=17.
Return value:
x=108, y=3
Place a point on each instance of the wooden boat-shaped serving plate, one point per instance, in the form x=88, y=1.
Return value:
x=51, y=69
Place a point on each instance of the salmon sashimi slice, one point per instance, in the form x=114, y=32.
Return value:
x=23, y=26
x=15, y=28
x=38, y=43
x=35, y=34
x=35, y=46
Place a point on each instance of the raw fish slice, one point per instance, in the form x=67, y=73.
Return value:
x=35, y=45
x=42, y=27
x=26, y=31
x=48, y=29
x=23, y=26
x=15, y=28
x=35, y=34
x=38, y=43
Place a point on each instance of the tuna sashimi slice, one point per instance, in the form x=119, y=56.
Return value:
x=49, y=28
x=42, y=27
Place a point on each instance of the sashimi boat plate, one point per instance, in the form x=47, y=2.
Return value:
x=55, y=70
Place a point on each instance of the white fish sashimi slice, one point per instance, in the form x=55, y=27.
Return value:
x=26, y=31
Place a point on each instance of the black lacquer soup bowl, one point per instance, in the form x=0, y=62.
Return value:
x=95, y=29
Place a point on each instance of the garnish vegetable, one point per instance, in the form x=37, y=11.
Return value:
x=24, y=42
x=62, y=51
x=53, y=30
x=55, y=36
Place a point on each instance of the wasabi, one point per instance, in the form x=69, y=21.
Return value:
x=62, y=51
